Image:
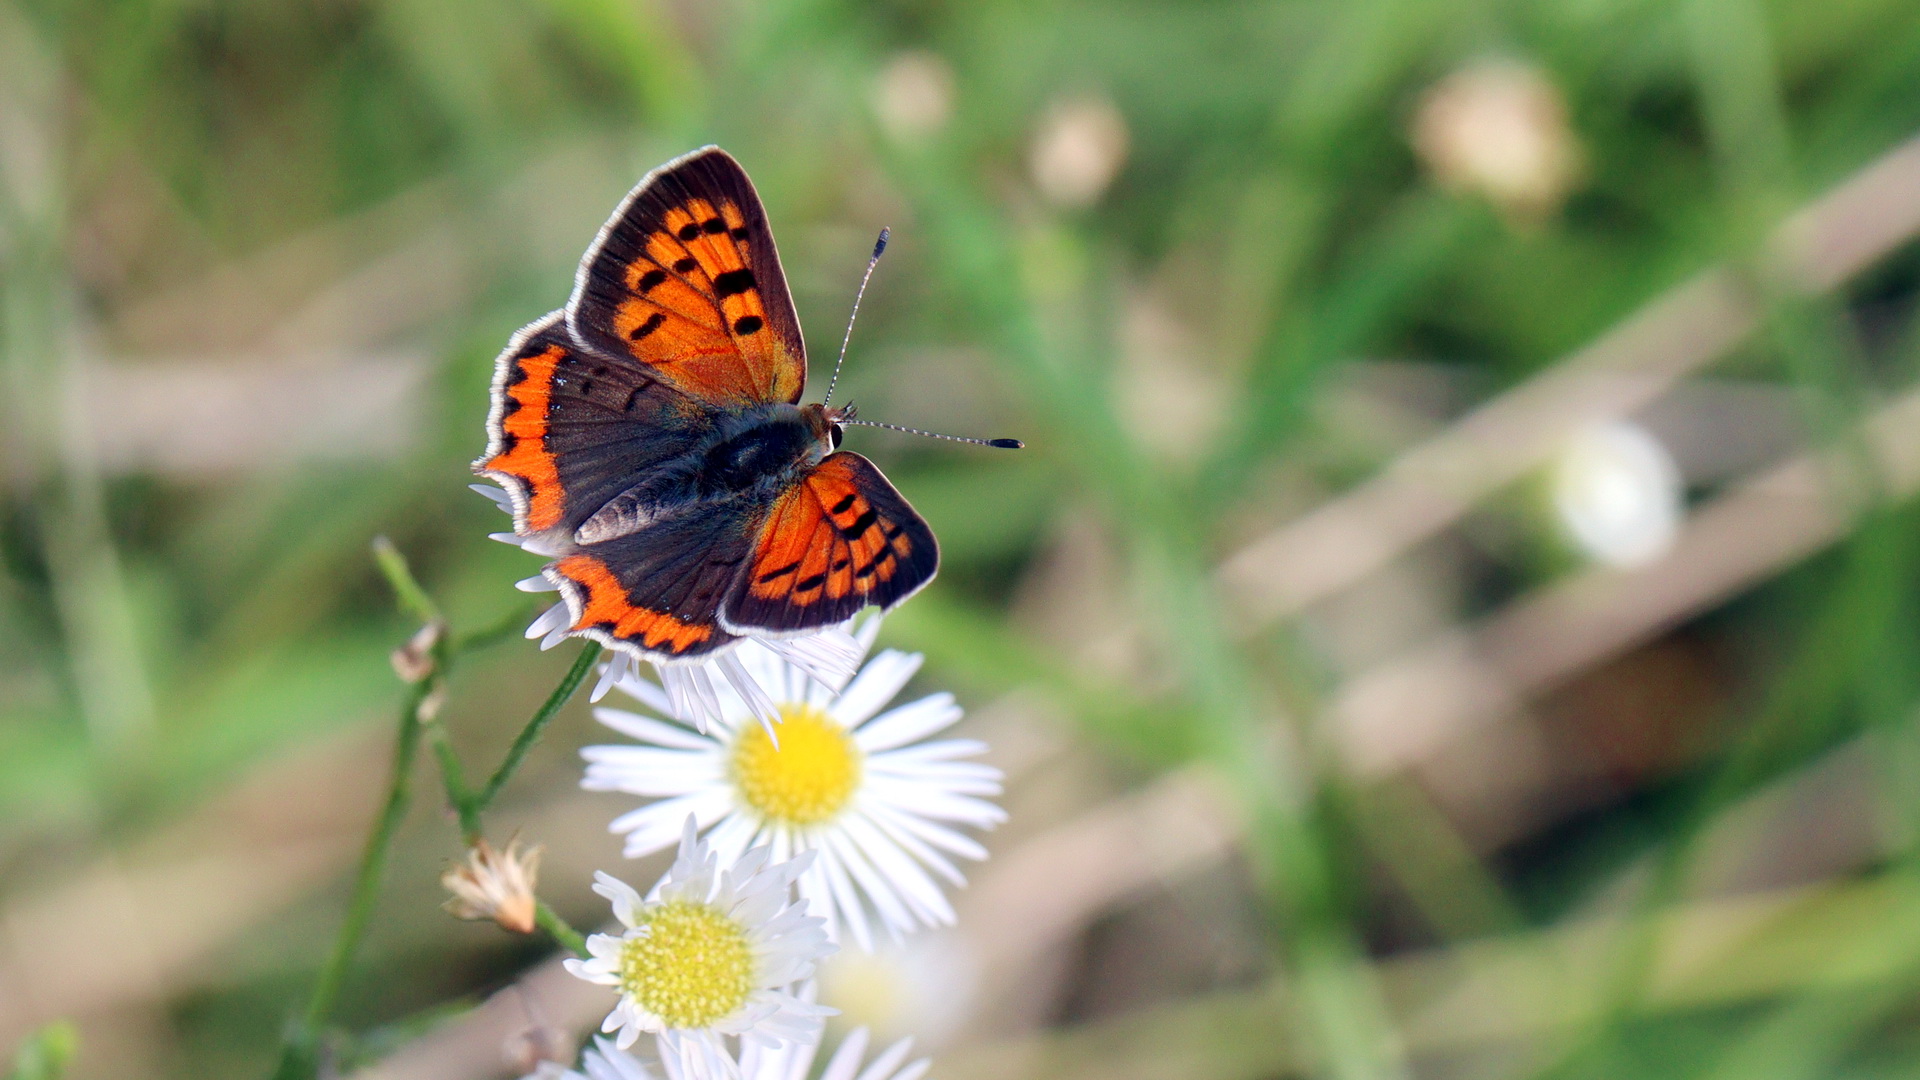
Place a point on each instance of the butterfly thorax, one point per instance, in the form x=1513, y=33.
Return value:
x=742, y=456
x=769, y=443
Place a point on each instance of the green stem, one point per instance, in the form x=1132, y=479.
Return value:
x=559, y=929
x=298, y=1055
x=530, y=734
x=453, y=777
x=393, y=566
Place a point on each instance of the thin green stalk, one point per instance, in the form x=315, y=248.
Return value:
x=559, y=929
x=453, y=778
x=298, y=1055
x=393, y=566
x=530, y=734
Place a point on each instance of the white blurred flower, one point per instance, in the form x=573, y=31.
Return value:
x=605, y=1061
x=1499, y=129
x=830, y=656
x=870, y=794
x=913, y=94
x=927, y=984
x=710, y=955
x=1078, y=150
x=1619, y=494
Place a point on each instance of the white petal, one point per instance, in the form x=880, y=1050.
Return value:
x=916, y=848
x=605, y=1061
x=656, y=827
x=967, y=777
x=938, y=835
x=846, y=1060
x=647, y=693
x=554, y=618
x=876, y=684
x=853, y=913
x=648, y=730
x=611, y=672
x=752, y=694
x=938, y=750
x=884, y=1065
x=498, y=495
x=933, y=803
x=874, y=887
x=829, y=657
x=908, y=723
x=647, y=770
x=906, y=875
x=626, y=899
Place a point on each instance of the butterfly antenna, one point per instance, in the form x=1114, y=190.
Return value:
x=1004, y=444
x=879, y=249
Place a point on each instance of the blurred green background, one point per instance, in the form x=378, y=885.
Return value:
x=1456, y=615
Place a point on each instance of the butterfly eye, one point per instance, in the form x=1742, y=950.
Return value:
x=838, y=434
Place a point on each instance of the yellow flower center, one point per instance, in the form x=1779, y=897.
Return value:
x=692, y=968
x=808, y=779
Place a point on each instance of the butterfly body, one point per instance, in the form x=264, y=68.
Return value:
x=651, y=439
x=751, y=457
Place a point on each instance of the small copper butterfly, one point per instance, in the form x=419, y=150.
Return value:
x=650, y=435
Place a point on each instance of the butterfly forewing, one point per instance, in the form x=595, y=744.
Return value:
x=838, y=540
x=571, y=429
x=685, y=279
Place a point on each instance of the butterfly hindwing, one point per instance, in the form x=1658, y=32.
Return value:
x=659, y=591
x=839, y=539
x=685, y=280
x=570, y=429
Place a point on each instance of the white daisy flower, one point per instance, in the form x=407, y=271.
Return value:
x=830, y=656
x=870, y=794
x=707, y=956
x=605, y=1061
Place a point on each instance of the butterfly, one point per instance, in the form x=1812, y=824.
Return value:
x=650, y=435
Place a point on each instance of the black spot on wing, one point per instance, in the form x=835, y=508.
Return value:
x=733, y=283
x=861, y=524
x=774, y=575
x=654, y=322
x=747, y=324
x=652, y=279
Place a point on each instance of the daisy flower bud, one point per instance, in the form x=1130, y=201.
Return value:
x=495, y=885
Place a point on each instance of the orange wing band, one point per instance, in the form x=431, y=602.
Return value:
x=526, y=456
x=604, y=606
x=794, y=564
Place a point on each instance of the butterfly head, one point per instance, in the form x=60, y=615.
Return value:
x=824, y=423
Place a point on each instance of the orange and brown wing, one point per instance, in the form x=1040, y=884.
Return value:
x=569, y=430
x=839, y=539
x=685, y=279
x=657, y=592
